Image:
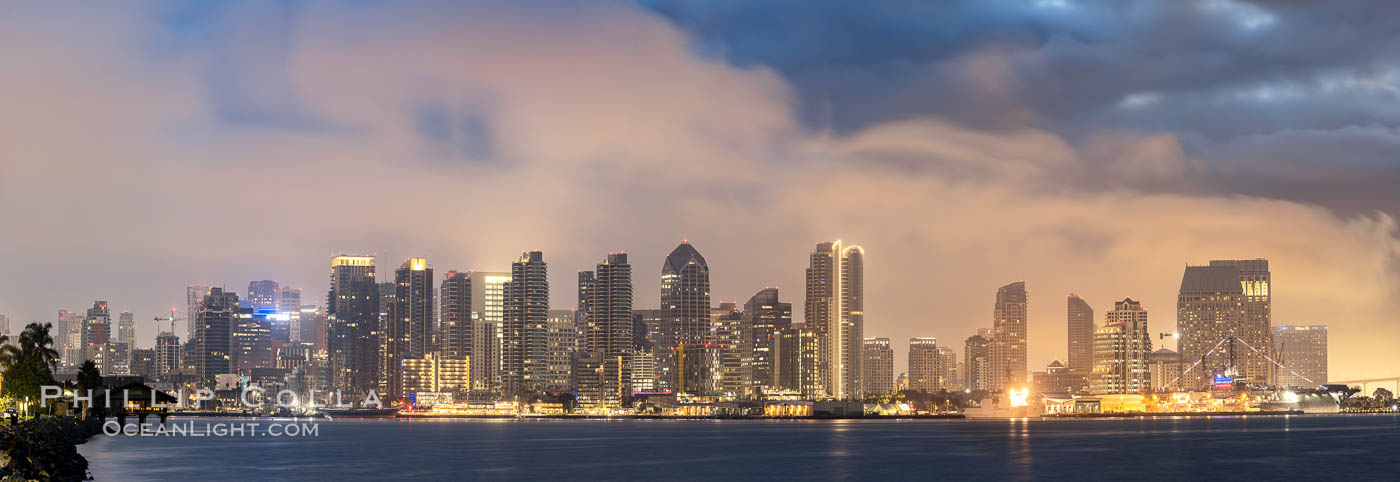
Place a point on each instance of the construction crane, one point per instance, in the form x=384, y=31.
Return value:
x=172, y=319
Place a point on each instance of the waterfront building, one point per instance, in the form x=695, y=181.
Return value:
x=215, y=317
x=836, y=303
x=433, y=374
x=729, y=342
x=352, y=324
x=455, y=315
x=1164, y=366
x=488, y=310
x=1080, y=323
x=1008, y=368
x=879, y=366
x=610, y=338
x=1303, y=349
x=800, y=353
x=649, y=373
x=251, y=340
x=767, y=317
x=977, y=361
x=1223, y=298
x=561, y=338
x=685, y=305
x=406, y=330
x=1121, y=348
x=525, y=342
x=923, y=364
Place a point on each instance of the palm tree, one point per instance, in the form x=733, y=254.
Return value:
x=7, y=354
x=89, y=378
x=35, y=343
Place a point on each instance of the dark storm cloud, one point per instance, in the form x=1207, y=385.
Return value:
x=1242, y=85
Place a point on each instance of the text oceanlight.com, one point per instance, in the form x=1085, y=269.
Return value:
x=213, y=429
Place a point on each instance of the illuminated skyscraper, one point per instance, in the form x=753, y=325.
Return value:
x=559, y=356
x=488, y=308
x=406, y=331
x=799, y=353
x=923, y=364
x=525, y=343
x=767, y=318
x=1121, y=350
x=288, y=300
x=685, y=304
x=1008, y=368
x=977, y=361
x=96, y=332
x=1164, y=367
x=263, y=295
x=948, y=369
x=167, y=356
x=1303, y=349
x=879, y=366
x=1081, y=338
x=455, y=315
x=1226, y=297
x=215, y=318
x=126, y=327
x=835, y=303
x=352, y=319
x=729, y=345
x=252, y=339
x=610, y=300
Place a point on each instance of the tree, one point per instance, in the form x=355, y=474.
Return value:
x=29, y=366
x=89, y=378
x=1383, y=395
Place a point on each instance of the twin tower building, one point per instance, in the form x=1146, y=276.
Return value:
x=500, y=326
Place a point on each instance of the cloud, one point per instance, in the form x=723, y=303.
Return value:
x=140, y=157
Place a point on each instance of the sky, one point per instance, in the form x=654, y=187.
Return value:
x=1093, y=147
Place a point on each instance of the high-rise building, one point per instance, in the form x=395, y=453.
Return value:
x=215, y=318
x=194, y=298
x=977, y=361
x=1081, y=338
x=252, y=339
x=610, y=302
x=96, y=332
x=648, y=348
x=1009, y=338
x=524, y=347
x=1228, y=297
x=1303, y=349
x=432, y=374
x=1164, y=368
x=68, y=324
x=406, y=330
x=313, y=326
x=488, y=308
x=1121, y=349
x=117, y=360
x=264, y=295
x=800, y=351
x=352, y=324
x=923, y=364
x=685, y=304
x=289, y=300
x=143, y=362
x=126, y=327
x=835, y=303
x=948, y=369
x=879, y=366
x=767, y=318
x=561, y=338
x=167, y=354
x=455, y=315
x=730, y=346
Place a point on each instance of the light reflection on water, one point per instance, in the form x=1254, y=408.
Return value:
x=1176, y=447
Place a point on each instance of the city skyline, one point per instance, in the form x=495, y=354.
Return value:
x=960, y=163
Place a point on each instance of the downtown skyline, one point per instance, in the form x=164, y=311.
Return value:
x=166, y=146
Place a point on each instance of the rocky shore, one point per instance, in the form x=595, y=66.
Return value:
x=44, y=449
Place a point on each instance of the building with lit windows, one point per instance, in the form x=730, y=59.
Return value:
x=1164, y=366
x=1121, y=349
x=800, y=353
x=1226, y=297
x=455, y=316
x=1008, y=367
x=1303, y=349
x=977, y=361
x=923, y=364
x=488, y=313
x=263, y=295
x=731, y=350
x=167, y=355
x=434, y=374
x=767, y=317
x=525, y=339
x=836, y=303
x=215, y=320
x=1080, y=323
x=352, y=324
x=685, y=306
x=559, y=355
x=879, y=366
x=609, y=340
x=948, y=369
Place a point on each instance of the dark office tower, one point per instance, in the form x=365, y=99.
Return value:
x=96, y=332
x=977, y=361
x=767, y=317
x=1081, y=340
x=167, y=355
x=835, y=303
x=455, y=315
x=252, y=340
x=525, y=341
x=352, y=319
x=263, y=295
x=1009, y=338
x=407, y=327
x=685, y=296
x=214, y=333
x=1226, y=297
x=289, y=300
x=611, y=323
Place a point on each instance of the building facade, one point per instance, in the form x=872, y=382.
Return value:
x=1227, y=297
x=1121, y=349
x=525, y=340
x=1080, y=322
x=879, y=366
x=835, y=282
x=685, y=307
x=352, y=324
x=1303, y=349
x=1008, y=368
x=767, y=317
x=923, y=364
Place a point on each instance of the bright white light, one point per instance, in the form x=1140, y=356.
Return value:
x=1018, y=397
x=1290, y=397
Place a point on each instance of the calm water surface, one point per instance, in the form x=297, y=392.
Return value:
x=1227, y=448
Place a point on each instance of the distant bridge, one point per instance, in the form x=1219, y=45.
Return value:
x=1369, y=385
